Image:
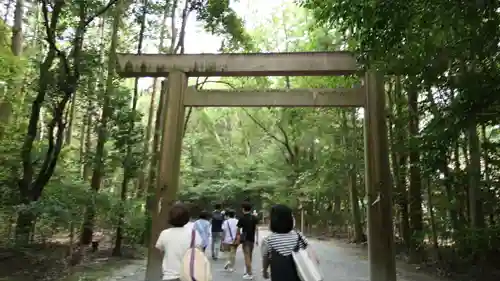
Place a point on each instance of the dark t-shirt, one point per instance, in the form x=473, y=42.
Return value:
x=217, y=220
x=248, y=224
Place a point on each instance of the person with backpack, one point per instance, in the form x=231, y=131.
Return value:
x=247, y=235
x=229, y=228
x=217, y=220
x=176, y=241
x=282, y=245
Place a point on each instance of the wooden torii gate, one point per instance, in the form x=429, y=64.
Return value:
x=370, y=96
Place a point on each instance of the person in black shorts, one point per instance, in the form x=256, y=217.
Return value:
x=217, y=220
x=248, y=235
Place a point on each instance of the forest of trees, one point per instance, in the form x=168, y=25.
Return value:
x=79, y=146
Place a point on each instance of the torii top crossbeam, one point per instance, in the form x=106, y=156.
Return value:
x=255, y=64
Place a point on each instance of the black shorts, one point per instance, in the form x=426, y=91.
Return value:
x=247, y=246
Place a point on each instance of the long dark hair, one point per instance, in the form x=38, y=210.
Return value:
x=281, y=219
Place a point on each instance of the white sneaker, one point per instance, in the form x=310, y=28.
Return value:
x=247, y=276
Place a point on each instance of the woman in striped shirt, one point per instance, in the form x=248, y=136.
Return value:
x=277, y=248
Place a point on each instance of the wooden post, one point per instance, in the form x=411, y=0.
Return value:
x=168, y=178
x=378, y=183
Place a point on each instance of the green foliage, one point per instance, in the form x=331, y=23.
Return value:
x=220, y=19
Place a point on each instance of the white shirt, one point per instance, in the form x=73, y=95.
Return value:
x=189, y=225
x=174, y=242
x=229, y=227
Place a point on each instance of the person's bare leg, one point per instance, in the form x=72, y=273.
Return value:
x=213, y=246
x=216, y=244
x=250, y=257
x=227, y=249
x=232, y=255
x=247, y=252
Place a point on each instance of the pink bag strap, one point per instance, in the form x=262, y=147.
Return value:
x=193, y=236
x=191, y=262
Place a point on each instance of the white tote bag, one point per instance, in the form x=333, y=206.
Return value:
x=195, y=265
x=307, y=268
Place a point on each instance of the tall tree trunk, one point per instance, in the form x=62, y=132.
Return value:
x=351, y=175
x=147, y=141
x=450, y=195
x=434, y=235
x=159, y=127
x=17, y=48
x=415, y=188
x=94, y=87
x=460, y=191
x=87, y=166
x=399, y=158
x=81, y=145
x=85, y=124
x=488, y=192
x=474, y=172
x=355, y=211
x=102, y=136
x=71, y=117
x=337, y=201
x=17, y=29
x=444, y=168
x=153, y=167
x=127, y=164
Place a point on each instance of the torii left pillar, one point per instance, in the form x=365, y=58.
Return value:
x=170, y=160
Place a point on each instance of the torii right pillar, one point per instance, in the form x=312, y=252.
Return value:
x=378, y=182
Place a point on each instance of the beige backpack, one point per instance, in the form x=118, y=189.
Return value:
x=195, y=265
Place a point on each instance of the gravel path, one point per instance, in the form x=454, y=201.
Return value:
x=339, y=262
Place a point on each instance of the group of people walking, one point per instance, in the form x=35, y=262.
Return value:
x=225, y=232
